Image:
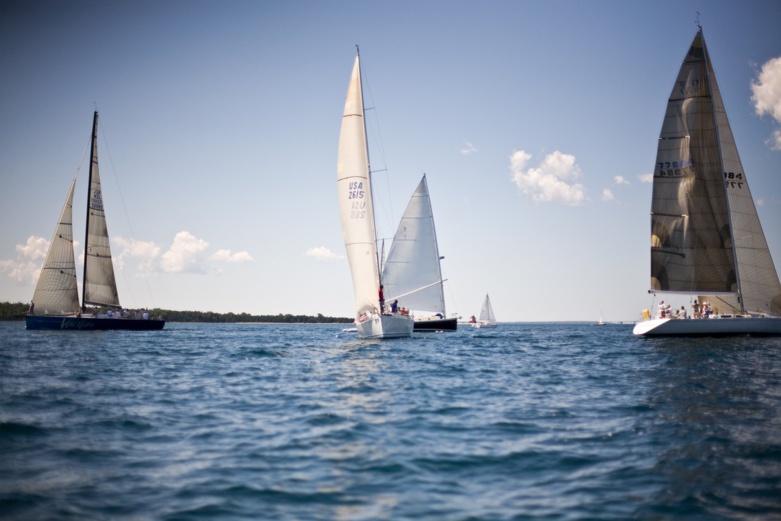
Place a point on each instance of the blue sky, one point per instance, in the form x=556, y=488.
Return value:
x=220, y=125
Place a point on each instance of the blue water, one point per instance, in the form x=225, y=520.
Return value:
x=527, y=421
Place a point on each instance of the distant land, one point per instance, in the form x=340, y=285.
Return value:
x=18, y=310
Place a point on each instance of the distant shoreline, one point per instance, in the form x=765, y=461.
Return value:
x=17, y=311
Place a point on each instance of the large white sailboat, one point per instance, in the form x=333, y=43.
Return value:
x=357, y=216
x=412, y=272
x=706, y=238
x=56, y=298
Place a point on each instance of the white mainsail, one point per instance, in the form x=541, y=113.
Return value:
x=355, y=199
x=706, y=237
x=412, y=270
x=56, y=291
x=100, y=287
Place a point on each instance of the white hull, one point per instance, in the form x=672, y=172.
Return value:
x=482, y=325
x=717, y=326
x=385, y=326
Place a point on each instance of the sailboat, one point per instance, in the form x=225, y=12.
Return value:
x=601, y=321
x=706, y=238
x=357, y=216
x=55, y=303
x=412, y=270
x=487, y=317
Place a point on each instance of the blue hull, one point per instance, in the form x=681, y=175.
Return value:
x=93, y=324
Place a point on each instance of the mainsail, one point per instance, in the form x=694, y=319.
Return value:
x=487, y=312
x=100, y=287
x=355, y=199
x=706, y=237
x=56, y=291
x=412, y=269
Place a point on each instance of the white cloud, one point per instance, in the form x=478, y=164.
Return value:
x=227, y=256
x=554, y=180
x=620, y=180
x=646, y=178
x=766, y=95
x=35, y=248
x=468, y=148
x=323, y=254
x=186, y=255
x=607, y=194
x=146, y=252
x=761, y=201
x=26, y=268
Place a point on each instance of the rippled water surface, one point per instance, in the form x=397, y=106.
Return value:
x=259, y=421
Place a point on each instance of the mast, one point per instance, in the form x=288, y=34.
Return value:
x=369, y=171
x=711, y=78
x=436, y=249
x=93, y=162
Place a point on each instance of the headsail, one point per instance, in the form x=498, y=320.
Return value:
x=412, y=266
x=705, y=233
x=56, y=291
x=355, y=198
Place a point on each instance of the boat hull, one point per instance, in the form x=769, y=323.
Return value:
x=719, y=326
x=436, y=324
x=385, y=326
x=40, y=322
x=483, y=325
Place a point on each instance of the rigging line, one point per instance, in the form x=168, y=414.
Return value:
x=127, y=218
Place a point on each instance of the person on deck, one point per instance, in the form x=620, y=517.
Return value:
x=395, y=306
x=382, y=300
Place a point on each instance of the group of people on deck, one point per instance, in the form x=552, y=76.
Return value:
x=703, y=310
x=394, y=307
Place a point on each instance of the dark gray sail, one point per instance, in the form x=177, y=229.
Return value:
x=706, y=237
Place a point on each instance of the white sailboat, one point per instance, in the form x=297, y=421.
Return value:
x=412, y=271
x=357, y=216
x=487, y=317
x=56, y=297
x=706, y=238
x=601, y=321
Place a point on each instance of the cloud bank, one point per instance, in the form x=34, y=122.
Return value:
x=555, y=179
x=766, y=95
x=187, y=254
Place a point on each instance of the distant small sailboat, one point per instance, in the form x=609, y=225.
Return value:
x=487, y=317
x=601, y=321
x=55, y=303
x=412, y=271
x=357, y=216
x=706, y=238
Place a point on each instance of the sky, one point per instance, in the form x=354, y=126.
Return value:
x=535, y=122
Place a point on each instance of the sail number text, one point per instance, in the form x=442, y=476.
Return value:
x=96, y=203
x=675, y=168
x=356, y=193
x=734, y=180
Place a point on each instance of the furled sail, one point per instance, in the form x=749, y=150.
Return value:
x=355, y=199
x=412, y=268
x=100, y=287
x=705, y=233
x=56, y=291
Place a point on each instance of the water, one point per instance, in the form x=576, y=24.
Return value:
x=526, y=421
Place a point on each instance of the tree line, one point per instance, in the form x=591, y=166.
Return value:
x=18, y=310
